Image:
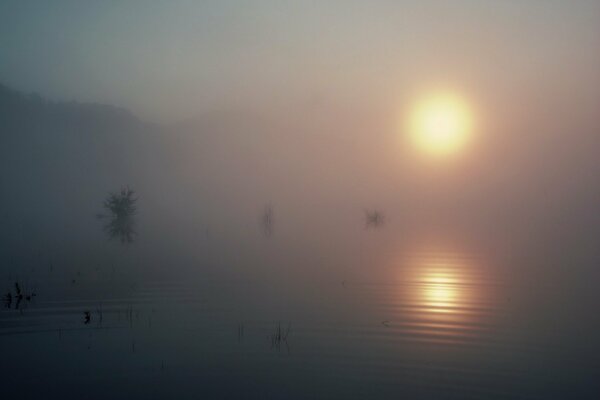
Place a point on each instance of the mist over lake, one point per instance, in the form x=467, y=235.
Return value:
x=295, y=201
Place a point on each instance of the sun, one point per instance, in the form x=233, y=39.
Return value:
x=441, y=124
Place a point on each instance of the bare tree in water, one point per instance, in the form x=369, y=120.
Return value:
x=373, y=219
x=121, y=218
x=266, y=221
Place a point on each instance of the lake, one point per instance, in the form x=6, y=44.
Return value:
x=380, y=316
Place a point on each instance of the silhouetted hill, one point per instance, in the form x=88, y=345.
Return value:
x=59, y=159
x=32, y=108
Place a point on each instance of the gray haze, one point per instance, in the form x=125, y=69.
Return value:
x=261, y=140
x=179, y=59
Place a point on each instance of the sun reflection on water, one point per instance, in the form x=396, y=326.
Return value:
x=441, y=288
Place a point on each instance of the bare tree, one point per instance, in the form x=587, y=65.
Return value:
x=373, y=219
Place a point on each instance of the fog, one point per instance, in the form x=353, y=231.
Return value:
x=276, y=185
x=527, y=179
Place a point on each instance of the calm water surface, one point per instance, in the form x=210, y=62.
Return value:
x=427, y=324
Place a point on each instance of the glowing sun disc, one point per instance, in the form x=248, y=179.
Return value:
x=440, y=124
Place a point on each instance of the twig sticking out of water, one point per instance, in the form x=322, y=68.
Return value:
x=280, y=336
x=20, y=294
x=240, y=331
x=266, y=221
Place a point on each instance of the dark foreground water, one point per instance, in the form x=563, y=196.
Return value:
x=427, y=324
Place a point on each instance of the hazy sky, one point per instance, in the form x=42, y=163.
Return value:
x=174, y=59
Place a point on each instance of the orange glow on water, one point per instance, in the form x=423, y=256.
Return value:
x=439, y=289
